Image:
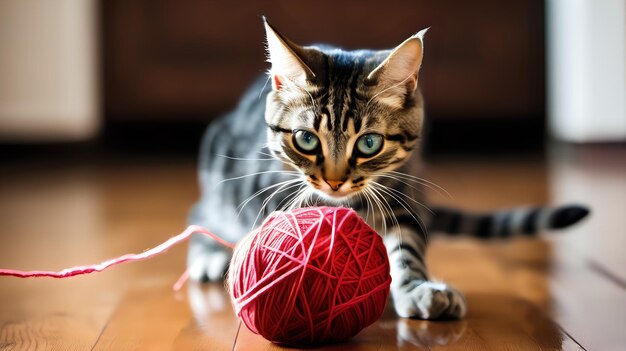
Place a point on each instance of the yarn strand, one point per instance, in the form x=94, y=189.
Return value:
x=87, y=269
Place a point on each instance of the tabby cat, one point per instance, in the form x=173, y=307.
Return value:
x=338, y=128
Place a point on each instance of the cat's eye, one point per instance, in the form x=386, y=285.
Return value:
x=306, y=142
x=369, y=145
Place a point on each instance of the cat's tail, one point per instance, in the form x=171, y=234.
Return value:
x=505, y=223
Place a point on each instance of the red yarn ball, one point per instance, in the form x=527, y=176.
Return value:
x=310, y=276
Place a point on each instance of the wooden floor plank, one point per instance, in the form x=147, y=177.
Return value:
x=51, y=314
x=191, y=322
x=48, y=332
x=215, y=325
x=597, y=177
x=589, y=277
x=588, y=305
x=54, y=218
x=508, y=295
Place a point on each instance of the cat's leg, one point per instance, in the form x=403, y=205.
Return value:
x=206, y=260
x=414, y=295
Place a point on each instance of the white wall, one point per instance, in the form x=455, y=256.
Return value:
x=48, y=71
x=587, y=69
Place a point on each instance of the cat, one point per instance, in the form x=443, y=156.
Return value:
x=334, y=127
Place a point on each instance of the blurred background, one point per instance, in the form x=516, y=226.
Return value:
x=149, y=75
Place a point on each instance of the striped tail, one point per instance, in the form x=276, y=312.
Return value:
x=505, y=223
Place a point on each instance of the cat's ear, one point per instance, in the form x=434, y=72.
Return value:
x=396, y=77
x=286, y=58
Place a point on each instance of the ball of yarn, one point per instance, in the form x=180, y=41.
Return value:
x=310, y=276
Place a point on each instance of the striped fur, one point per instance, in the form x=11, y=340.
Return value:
x=505, y=223
x=250, y=166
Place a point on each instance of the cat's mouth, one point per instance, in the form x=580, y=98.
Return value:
x=335, y=191
x=337, y=194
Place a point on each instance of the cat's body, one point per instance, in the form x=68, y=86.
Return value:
x=333, y=128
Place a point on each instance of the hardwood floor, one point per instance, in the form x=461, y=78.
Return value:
x=562, y=291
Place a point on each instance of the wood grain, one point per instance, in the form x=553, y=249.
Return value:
x=541, y=294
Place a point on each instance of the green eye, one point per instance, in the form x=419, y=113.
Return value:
x=369, y=144
x=306, y=142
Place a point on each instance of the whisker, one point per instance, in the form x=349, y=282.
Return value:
x=289, y=173
x=244, y=159
x=266, y=154
x=268, y=199
x=371, y=201
x=259, y=192
x=264, y=85
x=290, y=198
x=404, y=204
x=398, y=179
x=376, y=201
x=422, y=181
x=394, y=220
x=383, y=211
x=294, y=84
x=398, y=192
x=392, y=215
x=396, y=223
x=370, y=206
x=303, y=196
x=360, y=195
x=390, y=211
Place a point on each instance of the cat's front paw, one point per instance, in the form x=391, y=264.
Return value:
x=208, y=265
x=429, y=300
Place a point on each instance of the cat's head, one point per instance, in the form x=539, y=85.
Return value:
x=343, y=117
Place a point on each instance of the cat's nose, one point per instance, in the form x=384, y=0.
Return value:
x=334, y=184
